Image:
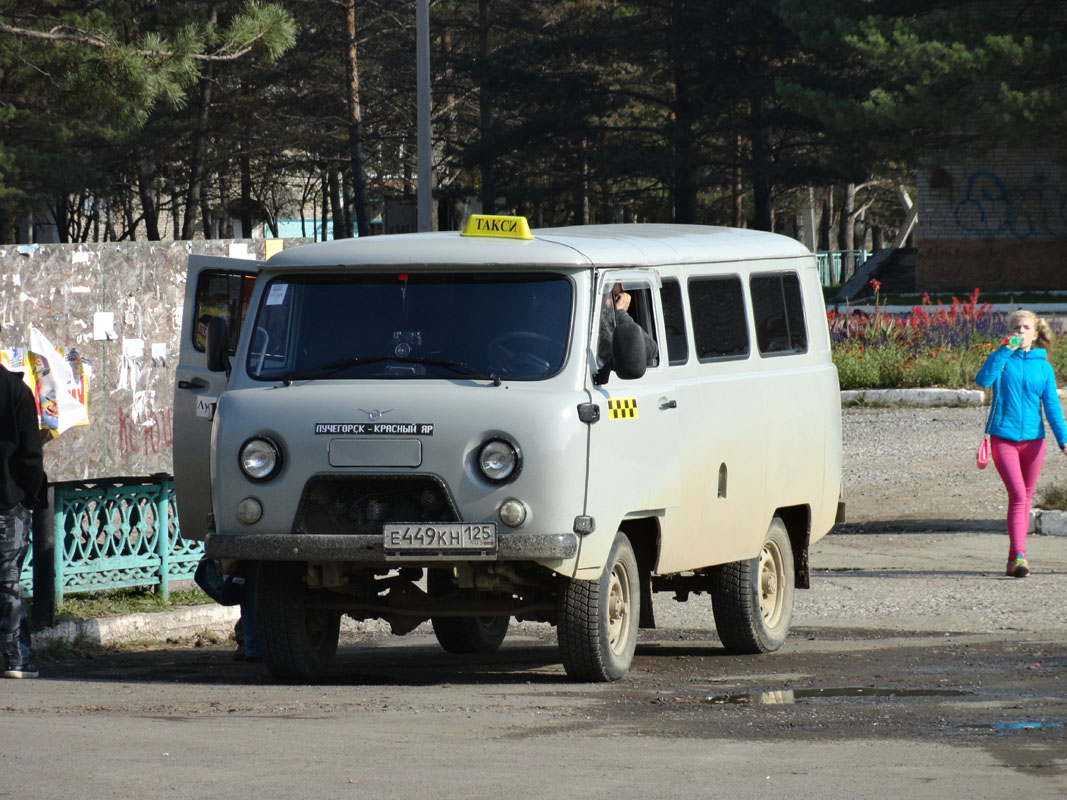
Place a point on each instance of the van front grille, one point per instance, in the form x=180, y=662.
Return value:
x=359, y=504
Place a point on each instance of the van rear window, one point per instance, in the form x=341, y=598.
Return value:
x=779, y=314
x=412, y=325
x=719, y=327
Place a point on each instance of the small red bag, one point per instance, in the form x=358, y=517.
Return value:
x=982, y=457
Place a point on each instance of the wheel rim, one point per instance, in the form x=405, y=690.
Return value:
x=618, y=609
x=771, y=581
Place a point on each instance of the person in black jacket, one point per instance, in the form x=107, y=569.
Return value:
x=22, y=488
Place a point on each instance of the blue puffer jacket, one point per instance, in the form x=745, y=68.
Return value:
x=1026, y=383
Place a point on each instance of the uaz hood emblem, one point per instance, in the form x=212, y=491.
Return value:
x=376, y=414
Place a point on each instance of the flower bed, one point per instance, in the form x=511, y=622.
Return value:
x=934, y=345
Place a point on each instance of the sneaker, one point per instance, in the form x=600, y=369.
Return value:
x=1018, y=568
x=22, y=671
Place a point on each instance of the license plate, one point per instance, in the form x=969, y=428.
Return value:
x=414, y=537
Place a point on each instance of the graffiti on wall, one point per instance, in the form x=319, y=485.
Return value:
x=991, y=207
x=150, y=435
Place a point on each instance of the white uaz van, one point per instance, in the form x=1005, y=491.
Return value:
x=548, y=426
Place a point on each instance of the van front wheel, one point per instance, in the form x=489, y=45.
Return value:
x=753, y=599
x=298, y=640
x=597, y=626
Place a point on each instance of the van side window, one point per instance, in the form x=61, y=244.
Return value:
x=670, y=294
x=779, y=314
x=719, y=326
x=639, y=310
x=221, y=294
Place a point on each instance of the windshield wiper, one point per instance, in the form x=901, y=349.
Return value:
x=325, y=370
x=458, y=366
x=329, y=368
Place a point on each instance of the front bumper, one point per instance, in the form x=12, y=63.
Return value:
x=369, y=548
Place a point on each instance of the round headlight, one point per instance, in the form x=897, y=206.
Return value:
x=499, y=460
x=260, y=458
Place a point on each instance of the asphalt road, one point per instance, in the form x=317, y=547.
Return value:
x=913, y=668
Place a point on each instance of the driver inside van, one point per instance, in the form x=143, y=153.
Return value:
x=616, y=312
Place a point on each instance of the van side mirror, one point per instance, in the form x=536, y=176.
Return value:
x=628, y=351
x=218, y=345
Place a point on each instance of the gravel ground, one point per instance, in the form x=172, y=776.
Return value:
x=918, y=464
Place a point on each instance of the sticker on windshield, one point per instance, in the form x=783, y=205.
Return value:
x=622, y=408
x=277, y=294
x=374, y=428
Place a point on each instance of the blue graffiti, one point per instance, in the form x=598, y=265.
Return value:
x=992, y=208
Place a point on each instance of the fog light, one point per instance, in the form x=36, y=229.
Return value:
x=512, y=513
x=249, y=511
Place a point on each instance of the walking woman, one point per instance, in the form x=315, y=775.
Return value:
x=1023, y=383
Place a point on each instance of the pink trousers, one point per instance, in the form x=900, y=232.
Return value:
x=1019, y=464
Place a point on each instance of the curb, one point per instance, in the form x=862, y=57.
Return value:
x=1048, y=522
x=160, y=625
x=917, y=397
x=163, y=625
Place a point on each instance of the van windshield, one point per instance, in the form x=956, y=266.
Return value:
x=412, y=325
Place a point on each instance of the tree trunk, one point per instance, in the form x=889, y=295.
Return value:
x=149, y=209
x=681, y=127
x=222, y=178
x=485, y=113
x=62, y=221
x=325, y=203
x=738, y=187
x=335, y=204
x=245, y=166
x=582, y=198
x=761, y=169
x=196, y=161
x=826, y=220
x=355, y=129
x=847, y=230
x=761, y=184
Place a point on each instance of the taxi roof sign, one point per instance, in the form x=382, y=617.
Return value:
x=497, y=225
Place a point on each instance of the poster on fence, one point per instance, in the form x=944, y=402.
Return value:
x=58, y=378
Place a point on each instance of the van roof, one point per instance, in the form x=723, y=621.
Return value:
x=637, y=244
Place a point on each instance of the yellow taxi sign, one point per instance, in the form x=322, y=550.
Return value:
x=497, y=225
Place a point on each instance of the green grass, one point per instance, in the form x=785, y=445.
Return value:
x=125, y=601
x=1052, y=497
x=896, y=366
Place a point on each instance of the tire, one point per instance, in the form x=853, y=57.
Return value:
x=753, y=599
x=597, y=625
x=298, y=642
x=462, y=635
x=470, y=634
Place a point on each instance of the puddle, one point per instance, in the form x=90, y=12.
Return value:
x=1010, y=727
x=788, y=696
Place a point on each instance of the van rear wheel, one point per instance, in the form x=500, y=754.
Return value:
x=298, y=640
x=470, y=634
x=597, y=625
x=753, y=599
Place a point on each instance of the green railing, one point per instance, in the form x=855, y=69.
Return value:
x=831, y=262
x=114, y=533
